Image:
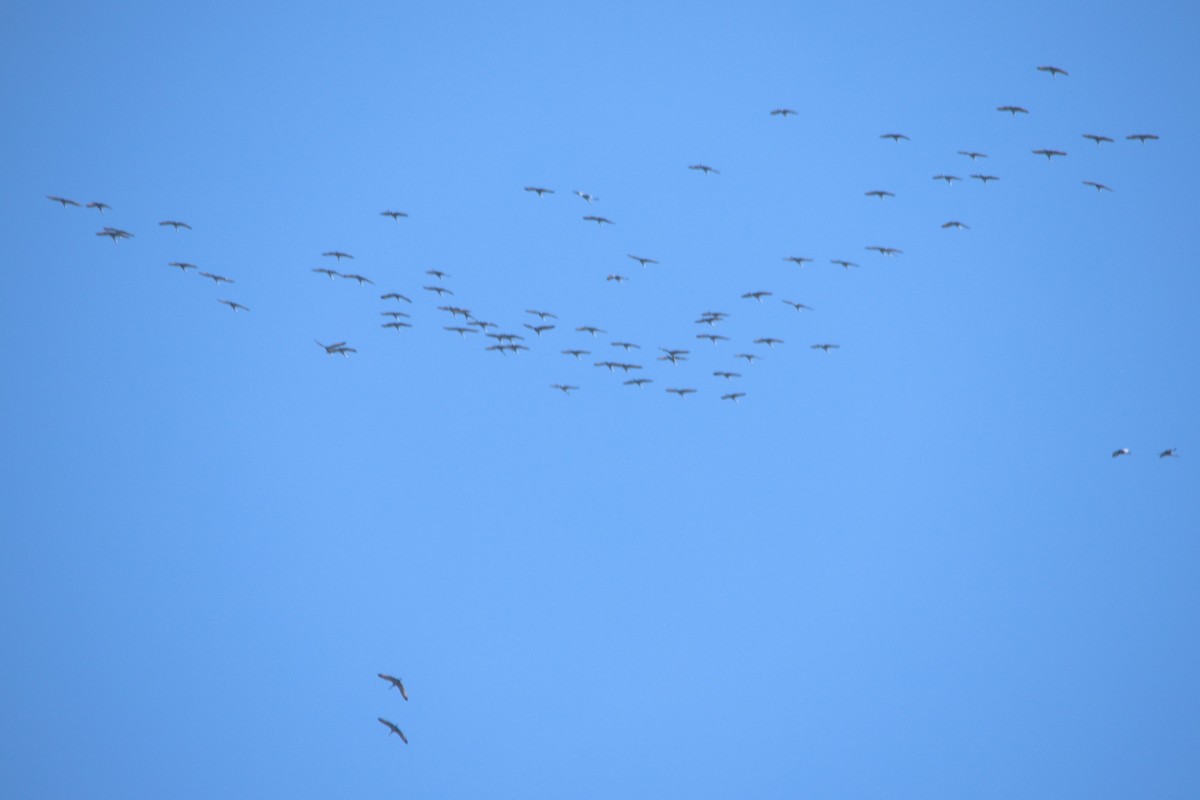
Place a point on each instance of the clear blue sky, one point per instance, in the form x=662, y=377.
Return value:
x=906, y=568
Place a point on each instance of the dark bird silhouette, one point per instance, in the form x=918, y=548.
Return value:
x=1049, y=154
x=217, y=279
x=843, y=263
x=704, y=168
x=638, y=382
x=769, y=341
x=1124, y=451
x=590, y=329
x=397, y=324
x=783, y=113
x=1054, y=71
x=759, y=295
x=643, y=261
x=540, y=314
x=972, y=154
x=800, y=306
x=361, y=280
x=441, y=290
x=330, y=349
x=799, y=261
x=590, y=198
x=233, y=305
x=565, y=389
x=538, y=190
x=98, y=206
x=393, y=314
x=1169, y=453
x=1142, y=137
x=598, y=220
x=577, y=353
x=483, y=325
x=949, y=179
x=455, y=311
x=712, y=337
x=682, y=392
x=396, y=215
x=393, y=729
x=1099, y=187
x=734, y=396
x=825, y=347
x=1014, y=110
x=115, y=234
x=539, y=328
x=895, y=137
x=885, y=251
x=176, y=224
x=1097, y=139
x=879, y=193
x=627, y=346
x=332, y=273
x=399, y=684
x=437, y=273
x=985, y=178
x=727, y=375
x=750, y=358
x=61, y=200
x=394, y=296
x=462, y=332
x=619, y=279
x=182, y=265
x=338, y=254
x=956, y=224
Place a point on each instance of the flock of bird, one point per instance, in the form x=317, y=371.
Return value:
x=544, y=325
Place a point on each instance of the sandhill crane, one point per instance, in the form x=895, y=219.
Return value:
x=799, y=261
x=590, y=198
x=332, y=273
x=1054, y=71
x=455, y=311
x=682, y=392
x=704, y=168
x=1124, y=451
x=971, y=154
x=727, y=375
x=399, y=684
x=619, y=279
x=1097, y=139
x=483, y=325
x=590, y=329
x=1142, y=137
x=216, y=279
x=600, y=221
x=393, y=314
x=397, y=324
x=949, y=179
x=61, y=200
x=394, y=296
x=956, y=224
x=115, y=234
x=638, y=382
x=538, y=329
x=1014, y=110
x=356, y=277
x=183, y=266
x=539, y=190
x=98, y=206
x=564, y=388
x=393, y=729
x=769, y=341
x=462, y=332
x=750, y=358
x=800, y=306
x=783, y=113
x=577, y=353
x=895, y=137
x=843, y=263
x=396, y=215
x=643, y=261
x=674, y=356
x=437, y=273
x=734, y=396
x=884, y=251
x=505, y=338
x=627, y=367
x=879, y=193
x=233, y=305
x=985, y=178
x=174, y=223
x=1049, y=154
x=759, y=295
x=540, y=314
x=626, y=346
x=441, y=290
x=712, y=337
x=1099, y=187
x=330, y=349
x=1169, y=453
x=825, y=347
x=338, y=254
x=611, y=365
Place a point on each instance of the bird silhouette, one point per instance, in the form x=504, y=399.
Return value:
x=1014, y=110
x=1054, y=71
x=393, y=729
x=396, y=682
x=176, y=224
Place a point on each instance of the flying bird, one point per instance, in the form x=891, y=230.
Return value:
x=441, y=290
x=1014, y=110
x=1054, y=71
x=885, y=251
x=879, y=193
x=727, y=375
x=399, y=684
x=393, y=729
x=769, y=341
x=682, y=392
x=949, y=179
x=393, y=296
x=338, y=254
x=591, y=198
x=800, y=306
x=704, y=168
x=540, y=314
x=799, y=261
x=590, y=329
x=462, y=332
x=183, y=266
x=825, y=347
x=115, y=234
x=576, y=353
x=538, y=190
x=627, y=346
x=734, y=396
x=759, y=295
x=783, y=113
x=332, y=273
x=750, y=358
x=176, y=224
x=62, y=200
x=361, y=280
x=712, y=337
x=598, y=220
x=1100, y=187
x=538, y=328
x=396, y=215
x=843, y=263
x=643, y=261
x=972, y=154
x=1169, y=453
x=98, y=206
x=618, y=278
x=437, y=273
x=895, y=137
x=1142, y=137
x=393, y=314
x=1097, y=139
x=638, y=382
x=397, y=324
x=233, y=305
x=985, y=178
x=956, y=224
x=1124, y=451
x=1049, y=154
x=330, y=349
x=217, y=279
x=565, y=389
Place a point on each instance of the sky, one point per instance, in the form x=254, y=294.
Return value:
x=908, y=567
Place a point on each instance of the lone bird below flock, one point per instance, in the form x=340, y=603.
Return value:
x=1099, y=187
x=643, y=261
x=233, y=305
x=393, y=729
x=783, y=112
x=399, y=684
x=396, y=215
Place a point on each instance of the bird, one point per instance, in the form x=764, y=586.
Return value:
x=638, y=382
x=949, y=179
x=611, y=365
x=330, y=349
x=393, y=729
x=704, y=168
x=538, y=190
x=618, y=278
x=825, y=347
x=483, y=325
x=462, y=332
x=885, y=251
x=399, y=684
x=1142, y=137
x=397, y=324
x=539, y=328
x=727, y=375
x=62, y=200
x=1014, y=110
x=598, y=220
x=576, y=353
x=627, y=346
x=437, y=273
x=800, y=306
x=750, y=358
x=1169, y=453
x=1124, y=451
x=590, y=198
x=455, y=311
x=1097, y=139
x=842, y=263
x=505, y=338
x=895, y=137
x=361, y=280
x=759, y=295
x=674, y=356
x=217, y=279
x=540, y=314
x=734, y=396
x=682, y=392
x=183, y=266
x=985, y=178
x=590, y=329
x=115, y=234
x=879, y=193
x=627, y=367
x=564, y=388
x=712, y=337
x=783, y=113
x=233, y=305
x=956, y=224
x=338, y=254
x=1054, y=71
x=441, y=290
x=396, y=215
x=643, y=261
x=393, y=296
x=176, y=224
x=972, y=154
x=332, y=273
x=98, y=206
x=769, y=341
x=1049, y=154
x=799, y=261
x=393, y=314
x=1100, y=187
